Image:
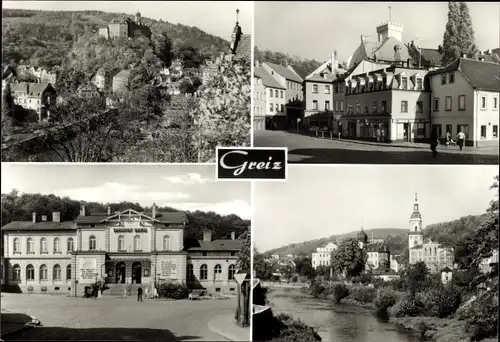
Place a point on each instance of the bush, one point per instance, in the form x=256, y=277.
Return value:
x=446, y=301
x=316, y=289
x=408, y=306
x=295, y=330
x=30, y=288
x=363, y=294
x=173, y=290
x=482, y=321
x=44, y=288
x=384, y=300
x=340, y=291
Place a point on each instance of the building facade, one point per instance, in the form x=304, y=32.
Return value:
x=465, y=97
x=121, y=81
x=125, y=247
x=259, y=100
x=37, y=97
x=323, y=255
x=126, y=28
x=274, y=99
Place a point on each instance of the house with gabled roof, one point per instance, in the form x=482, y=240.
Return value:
x=37, y=97
x=270, y=100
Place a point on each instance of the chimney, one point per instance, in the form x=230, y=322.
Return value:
x=82, y=210
x=44, y=218
x=56, y=216
x=34, y=217
x=153, y=211
x=207, y=235
x=109, y=210
x=232, y=236
x=333, y=61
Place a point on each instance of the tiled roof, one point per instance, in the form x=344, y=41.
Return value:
x=266, y=78
x=300, y=71
x=285, y=72
x=32, y=89
x=432, y=56
x=45, y=225
x=215, y=245
x=446, y=269
x=480, y=75
x=244, y=46
x=123, y=74
x=386, y=50
x=164, y=217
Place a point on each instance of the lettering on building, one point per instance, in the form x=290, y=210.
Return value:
x=130, y=230
x=88, y=269
x=169, y=269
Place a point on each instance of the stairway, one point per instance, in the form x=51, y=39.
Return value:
x=116, y=290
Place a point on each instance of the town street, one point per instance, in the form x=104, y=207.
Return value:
x=308, y=149
x=107, y=318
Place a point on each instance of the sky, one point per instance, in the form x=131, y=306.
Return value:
x=214, y=17
x=184, y=187
x=320, y=201
x=316, y=29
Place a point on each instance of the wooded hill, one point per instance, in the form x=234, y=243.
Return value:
x=19, y=207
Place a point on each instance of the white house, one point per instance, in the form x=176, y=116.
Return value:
x=271, y=102
x=446, y=275
x=322, y=255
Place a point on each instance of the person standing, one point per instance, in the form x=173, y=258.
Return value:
x=146, y=293
x=434, y=144
x=378, y=134
x=155, y=292
x=461, y=139
x=448, y=139
x=139, y=294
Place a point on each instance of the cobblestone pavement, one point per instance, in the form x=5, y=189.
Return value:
x=68, y=318
x=307, y=149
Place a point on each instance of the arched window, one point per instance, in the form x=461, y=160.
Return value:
x=17, y=245
x=71, y=245
x=30, y=246
x=190, y=272
x=166, y=243
x=56, y=272
x=203, y=272
x=217, y=272
x=43, y=245
x=30, y=272
x=68, y=272
x=16, y=273
x=121, y=243
x=44, y=273
x=231, y=272
x=92, y=243
x=137, y=243
x=57, y=245
x=435, y=251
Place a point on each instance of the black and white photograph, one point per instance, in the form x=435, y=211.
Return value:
x=376, y=253
x=124, y=252
x=381, y=83
x=124, y=81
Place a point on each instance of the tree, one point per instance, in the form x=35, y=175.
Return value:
x=163, y=48
x=417, y=275
x=262, y=268
x=458, y=37
x=348, y=259
x=466, y=31
x=244, y=254
x=303, y=266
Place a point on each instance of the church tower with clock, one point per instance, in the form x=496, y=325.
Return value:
x=415, y=236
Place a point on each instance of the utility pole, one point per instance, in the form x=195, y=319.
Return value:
x=390, y=8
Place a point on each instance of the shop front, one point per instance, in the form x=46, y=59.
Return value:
x=127, y=270
x=368, y=129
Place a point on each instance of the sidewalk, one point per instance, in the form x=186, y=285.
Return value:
x=226, y=326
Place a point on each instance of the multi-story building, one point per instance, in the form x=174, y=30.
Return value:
x=488, y=264
x=259, y=101
x=274, y=98
x=101, y=79
x=34, y=96
x=125, y=247
x=121, y=81
x=435, y=255
x=126, y=28
x=465, y=97
x=323, y=255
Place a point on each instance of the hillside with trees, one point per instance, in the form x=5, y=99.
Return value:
x=19, y=207
x=303, y=66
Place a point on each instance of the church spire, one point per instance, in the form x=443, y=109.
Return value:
x=416, y=198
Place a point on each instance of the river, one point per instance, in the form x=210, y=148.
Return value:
x=339, y=322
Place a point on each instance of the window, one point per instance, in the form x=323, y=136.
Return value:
x=404, y=83
x=30, y=246
x=336, y=88
x=231, y=272
x=495, y=131
x=30, y=272
x=166, y=243
x=436, y=104
x=277, y=108
x=358, y=108
x=70, y=245
x=203, y=272
x=350, y=109
x=121, y=243
x=421, y=130
x=315, y=88
x=44, y=273
x=495, y=103
x=68, y=272
x=315, y=104
x=327, y=105
x=367, y=109
x=43, y=245
x=189, y=272
x=281, y=93
x=452, y=78
x=483, y=102
x=137, y=243
x=57, y=245
x=483, y=131
x=56, y=273
x=336, y=105
x=270, y=93
x=461, y=102
x=92, y=243
x=437, y=129
x=217, y=272
x=447, y=103
x=17, y=245
x=327, y=89
x=420, y=107
x=16, y=273
x=449, y=128
x=374, y=107
x=404, y=106
x=271, y=107
x=276, y=93
x=419, y=84
x=443, y=79
x=341, y=105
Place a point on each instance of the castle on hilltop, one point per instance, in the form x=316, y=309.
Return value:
x=126, y=28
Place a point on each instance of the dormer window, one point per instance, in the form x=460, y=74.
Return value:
x=404, y=82
x=419, y=84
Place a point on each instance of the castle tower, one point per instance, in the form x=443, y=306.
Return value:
x=388, y=29
x=415, y=236
x=362, y=238
x=236, y=35
x=138, y=18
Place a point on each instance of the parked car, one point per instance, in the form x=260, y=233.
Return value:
x=195, y=294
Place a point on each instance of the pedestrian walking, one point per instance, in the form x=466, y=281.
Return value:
x=139, y=294
x=155, y=293
x=434, y=144
x=382, y=135
x=146, y=293
x=448, y=139
x=460, y=139
x=379, y=133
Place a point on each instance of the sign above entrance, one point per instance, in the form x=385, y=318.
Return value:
x=130, y=230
